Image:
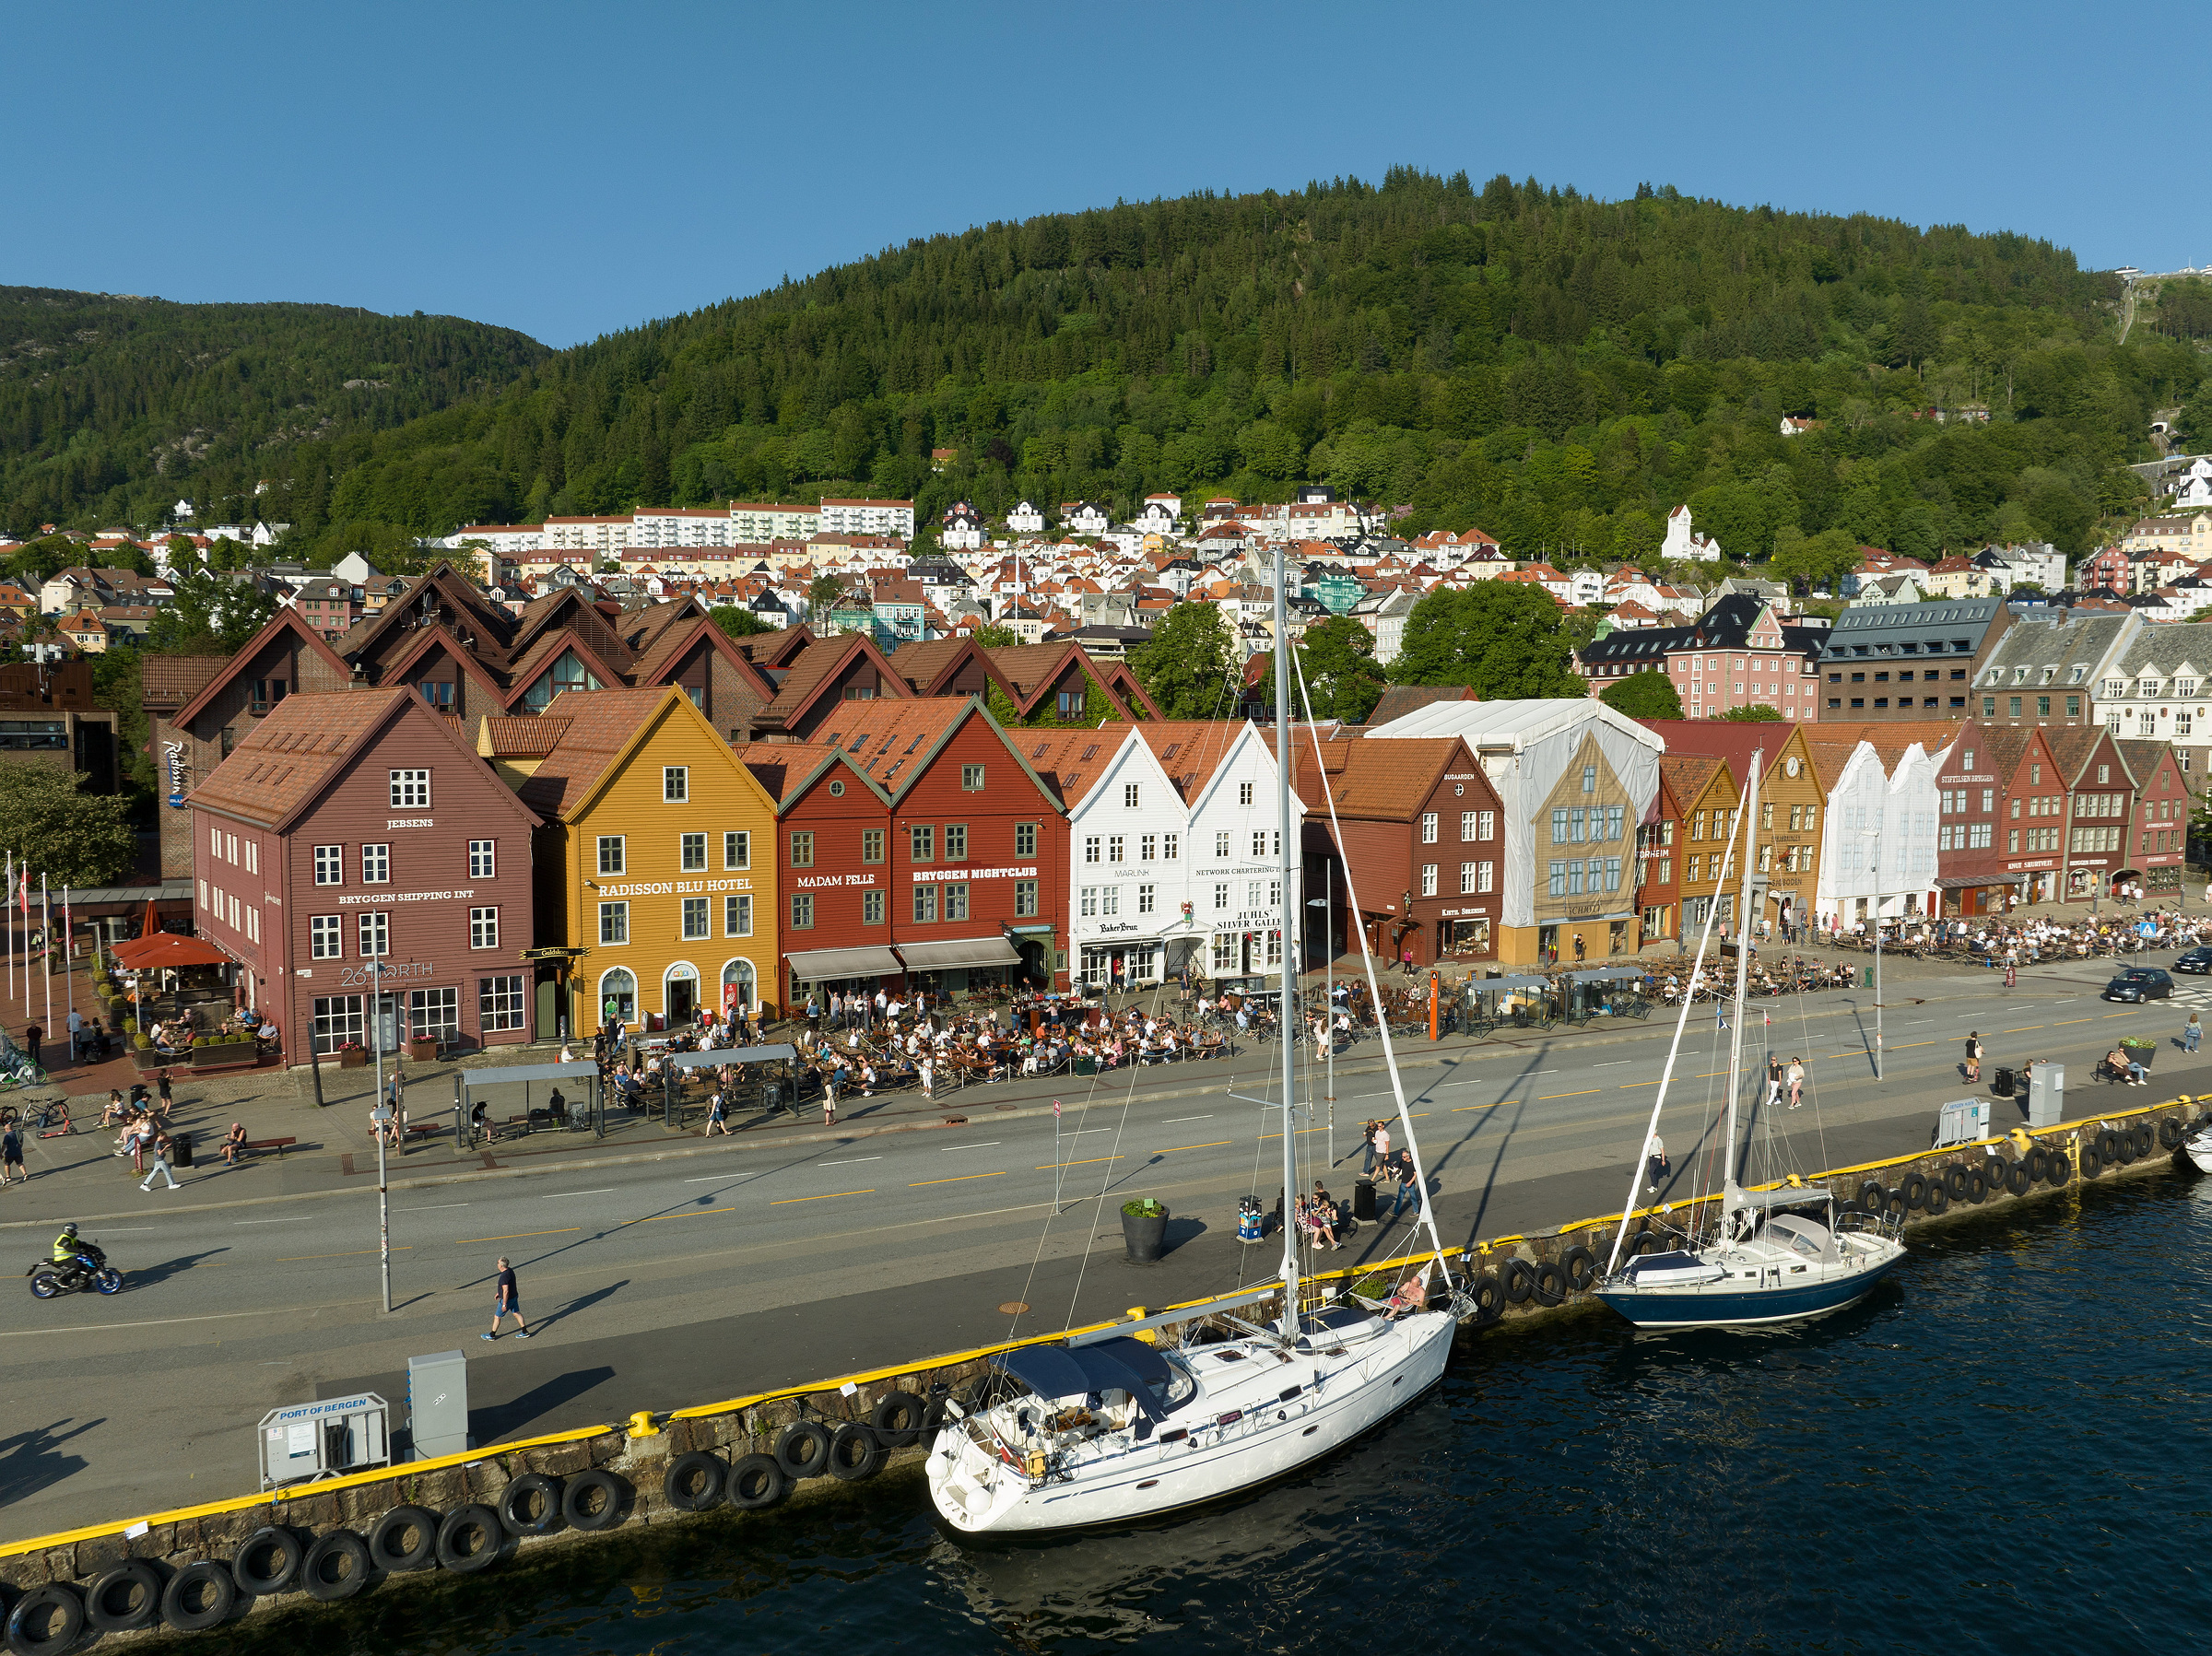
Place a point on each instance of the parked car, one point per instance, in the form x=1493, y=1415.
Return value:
x=2140, y=983
x=2198, y=961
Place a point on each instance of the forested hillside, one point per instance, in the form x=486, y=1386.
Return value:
x=1559, y=369
x=112, y=407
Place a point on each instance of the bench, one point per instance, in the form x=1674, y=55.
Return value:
x=255, y=1145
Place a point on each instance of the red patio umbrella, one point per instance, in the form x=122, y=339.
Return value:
x=167, y=949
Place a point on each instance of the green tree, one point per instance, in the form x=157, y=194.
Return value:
x=1189, y=663
x=992, y=636
x=1760, y=714
x=117, y=680
x=209, y=617
x=1642, y=696
x=1342, y=677
x=823, y=595
x=1822, y=559
x=1506, y=640
x=57, y=829
x=738, y=621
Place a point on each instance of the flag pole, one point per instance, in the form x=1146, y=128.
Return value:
x=11, y=926
x=46, y=925
x=68, y=965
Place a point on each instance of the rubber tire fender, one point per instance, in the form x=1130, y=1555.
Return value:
x=1552, y=1284
x=283, y=1566
x=899, y=1420
x=2147, y=1141
x=2124, y=1146
x=1645, y=1242
x=1520, y=1281
x=518, y=1494
x=1873, y=1196
x=1913, y=1188
x=694, y=1482
x=2018, y=1180
x=1954, y=1181
x=458, y=1523
x=2039, y=1165
x=386, y=1531
x=210, y=1572
x=66, y=1602
x=1977, y=1186
x=2108, y=1147
x=1898, y=1209
x=578, y=1514
x=2171, y=1135
x=756, y=1483
x=131, y=1572
x=2092, y=1164
x=854, y=1455
x=1581, y=1266
x=2057, y=1167
x=1489, y=1295
x=1939, y=1198
x=315, y=1578
x=803, y=1451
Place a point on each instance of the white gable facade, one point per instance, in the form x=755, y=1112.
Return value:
x=1877, y=848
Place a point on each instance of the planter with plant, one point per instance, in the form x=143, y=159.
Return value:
x=1144, y=1229
x=2139, y=1049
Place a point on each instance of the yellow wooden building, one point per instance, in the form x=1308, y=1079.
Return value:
x=656, y=866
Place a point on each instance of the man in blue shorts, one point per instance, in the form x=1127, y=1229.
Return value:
x=507, y=1301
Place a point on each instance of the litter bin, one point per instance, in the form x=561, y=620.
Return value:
x=1363, y=1201
x=2002, y=1082
x=179, y=1145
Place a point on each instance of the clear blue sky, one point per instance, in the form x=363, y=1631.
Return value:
x=570, y=170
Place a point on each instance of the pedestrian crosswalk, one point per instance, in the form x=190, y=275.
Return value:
x=2192, y=996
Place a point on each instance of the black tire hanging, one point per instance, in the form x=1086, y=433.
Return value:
x=2057, y=1166
x=854, y=1455
x=198, y=1597
x=2092, y=1164
x=530, y=1505
x=2108, y=1147
x=2039, y=1164
x=1873, y=1196
x=1977, y=1186
x=2018, y=1181
x=1552, y=1284
x=390, y=1548
x=1954, y=1182
x=1897, y=1209
x=1913, y=1188
x=1645, y=1242
x=2171, y=1135
x=267, y=1562
x=1581, y=1266
x=756, y=1483
x=2147, y=1141
x=693, y=1483
x=47, y=1620
x=1939, y=1198
x=471, y=1539
x=337, y=1566
x=803, y=1451
x=1489, y=1295
x=899, y=1420
x=1520, y=1281
x=125, y=1599
x=2124, y=1148
x=593, y=1500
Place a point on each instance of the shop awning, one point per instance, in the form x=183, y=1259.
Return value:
x=993, y=950
x=1502, y=985
x=1968, y=882
x=1606, y=974
x=167, y=949
x=815, y=966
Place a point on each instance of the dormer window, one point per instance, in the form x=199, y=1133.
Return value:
x=2076, y=675
x=2114, y=687
x=2151, y=686
x=2019, y=675
x=2184, y=686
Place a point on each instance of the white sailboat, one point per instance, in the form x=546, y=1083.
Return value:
x=1110, y=1427
x=1778, y=1256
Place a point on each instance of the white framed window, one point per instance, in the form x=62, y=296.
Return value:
x=254, y=925
x=375, y=935
x=1221, y=843
x=1244, y=793
x=330, y=864
x=1466, y=824
x=1091, y=844
x=1143, y=898
x=614, y=853
x=1089, y=900
x=1428, y=827
x=1115, y=845
x=1251, y=894
x=738, y=914
x=1221, y=896
x=695, y=917
x=253, y=856
x=376, y=864
x=483, y=859
x=202, y=894
x=1486, y=825
x=484, y=928
x=1168, y=847
x=675, y=784
x=499, y=1002
x=737, y=847
x=325, y=938
x=1130, y=794
x=1427, y=879
x=1146, y=846
x=410, y=790
x=1467, y=879
x=1110, y=900
x=614, y=923
x=691, y=852
x=1484, y=873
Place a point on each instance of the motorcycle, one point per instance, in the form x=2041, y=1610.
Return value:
x=89, y=1270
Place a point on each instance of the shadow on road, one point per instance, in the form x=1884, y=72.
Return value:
x=505, y=1419
x=151, y=1276
x=33, y=1461
x=583, y=1302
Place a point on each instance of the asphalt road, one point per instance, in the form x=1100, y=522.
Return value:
x=748, y=1264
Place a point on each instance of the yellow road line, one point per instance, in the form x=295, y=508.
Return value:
x=1087, y=1161
x=2024, y=1028
x=956, y=1178
x=2065, y=1021
x=293, y=1259
x=1219, y=1143
x=519, y=1235
x=1901, y=1045
x=1584, y=1093
x=830, y=1196
x=1465, y=1107
x=701, y=1214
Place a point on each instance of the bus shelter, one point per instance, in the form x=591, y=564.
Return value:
x=539, y=1089
x=763, y=1078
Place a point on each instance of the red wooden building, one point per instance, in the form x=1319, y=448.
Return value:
x=351, y=828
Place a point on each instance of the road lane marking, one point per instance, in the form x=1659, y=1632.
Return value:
x=293, y=1259
x=1179, y=1119
x=703, y=1213
x=560, y=1196
x=1053, y=1166
x=956, y=1178
x=1217, y=1145
x=1465, y=1107
x=130, y=1230
x=989, y=1143
x=297, y=1219
x=433, y=1207
x=2065, y=1021
x=830, y=1196
x=1584, y=1093
x=519, y=1235
x=1612, y=1063
x=2023, y=1028
x=850, y=1161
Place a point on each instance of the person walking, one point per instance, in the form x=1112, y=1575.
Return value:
x=1381, y=1148
x=1367, y=1147
x=2192, y=1033
x=507, y=1301
x=32, y=1035
x=76, y=1032
x=1657, y=1167
x=1974, y=1055
x=11, y=1155
x=161, y=1091
x=1794, y=1074
x=714, y=1116
x=1409, y=1183
x=161, y=1167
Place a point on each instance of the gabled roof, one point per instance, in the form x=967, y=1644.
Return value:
x=1687, y=775
x=817, y=668
x=788, y=769
x=1373, y=782
x=287, y=619
x=601, y=726
x=892, y=743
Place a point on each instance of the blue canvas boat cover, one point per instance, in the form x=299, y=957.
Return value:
x=1125, y=1365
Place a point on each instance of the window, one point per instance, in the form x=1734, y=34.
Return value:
x=1486, y=825
x=1115, y=845
x=252, y=857
x=922, y=844
x=1147, y=846
x=2073, y=707
x=871, y=845
x=376, y=864
x=1615, y=815
x=956, y=900
x=482, y=861
x=1025, y=899
x=1093, y=847
x=375, y=933
x=1578, y=826
x=737, y=915
x=330, y=864
x=1070, y=704
x=1225, y=952
x=695, y=917
x=802, y=911
x=1766, y=813
x=1558, y=825
x=1170, y=845
x=955, y=843
x=802, y=848
x=1220, y=896
x=410, y=790
x=1466, y=878
x=1979, y=835
x=1025, y=839
x=2012, y=706
x=691, y=851
x=1428, y=827
x=1574, y=879
x=1091, y=900
x=484, y=928
x=614, y=923
x=971, y=778
x=612, y=854
x=1589, y=772
x=925, y=904
x=1466, y=825
x=1244, y=793
x=675, y=784
x=499, y=1003
x=1427, y=879
x=1222, y=844
x=1483, y=872
x=1558, y=879
x=1129, y=796
x=737, y=848
x=1251, y=894
x=1259, y=845
x=1612, y=874
x=337, y=1021
x=324, y=940
x=871, y=908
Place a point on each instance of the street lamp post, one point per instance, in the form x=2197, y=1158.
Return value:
x=1326, y=904
x=381, y=1114
x=1875, y=868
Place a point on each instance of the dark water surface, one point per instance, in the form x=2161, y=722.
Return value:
x=2005, y=1450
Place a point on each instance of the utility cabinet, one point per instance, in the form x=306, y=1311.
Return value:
x=438, y=1404
x=1962, y=1122
x=325, y=1440
x=2046, y=1095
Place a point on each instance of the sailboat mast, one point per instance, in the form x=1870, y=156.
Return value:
x=1287, y=1025
x=1743, y=962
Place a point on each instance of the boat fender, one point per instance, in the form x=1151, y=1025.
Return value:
x=1913, y=1188
x=854, y=1455
x=198, y=1597
x=593, y=1500
x=2018, y=1181
x=50, y=1618
x=2125, y=1149
x=530, y=1505
x=803, y=1451
x=2057, y=1168
x=1938, y=1198
x=1977, y=1186
x=1489, y=1295
x=1581, y=1266
x=693, y=1483
x=2146, y=1140
x=1552, y=1284
x=757, y=1482
x=390, y=1546
x=125, y=1599
x=2108, y=1147
x=1954, y=1182
x=1520, y=1281
x=337, y=1566
x=1646, y=1242
x=2092, y=1165
x=1873, y=1196
x=267, y=1561
x=2039, y=1164
x=470, y=1539
x=1898, y=1209
x=898, y=1420
x=2171, y=1135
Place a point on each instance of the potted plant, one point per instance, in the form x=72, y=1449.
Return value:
x=2139, y=1049
x=352, y=1055
x=422, y=1049
x=1144, y=1229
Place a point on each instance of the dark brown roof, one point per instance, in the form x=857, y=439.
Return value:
x=600, y=725
x=521, y=738
x=177, y=678
x=287, y=757
x=1386, y=781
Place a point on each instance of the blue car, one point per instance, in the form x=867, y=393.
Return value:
x=2140, y=983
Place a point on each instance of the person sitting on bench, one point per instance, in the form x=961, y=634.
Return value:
x=234, y=1143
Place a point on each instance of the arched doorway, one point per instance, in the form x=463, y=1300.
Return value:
x=617, y=1002
x=740, y=985
x=680, y=994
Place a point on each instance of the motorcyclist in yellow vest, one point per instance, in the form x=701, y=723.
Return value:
x=65, y=1246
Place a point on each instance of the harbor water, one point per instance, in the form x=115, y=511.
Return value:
x=2005, y=1450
